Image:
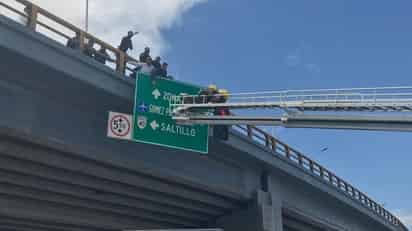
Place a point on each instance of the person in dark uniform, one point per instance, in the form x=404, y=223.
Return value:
x=89, y=49
x=126, y=43
x=206, y=95
x=221, y=97
x=74, y=43
x=144, y=55
x=160, y=71
x=102, y=56
x=221, y=131
x=156, y=63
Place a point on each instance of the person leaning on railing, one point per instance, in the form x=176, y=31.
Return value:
x=156, y=63
x=161, y=71
x=74, y=43
x=144, y=68
x=144, y=55
x=27, y=12
x=102, y=56
x=89, y=49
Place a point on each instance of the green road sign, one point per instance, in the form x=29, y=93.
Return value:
x=152, y=119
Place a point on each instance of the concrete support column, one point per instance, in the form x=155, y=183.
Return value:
x=245, y=219
x=260, y=215
x=270, y=210
x=270, y=202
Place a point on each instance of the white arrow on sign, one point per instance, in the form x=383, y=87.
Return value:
x=156, y=94
x=154, y=125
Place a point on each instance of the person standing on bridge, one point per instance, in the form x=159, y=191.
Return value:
x=144, y=68
x=126, y=43
x=156, y=63
x=143, y=56
x=160, y=71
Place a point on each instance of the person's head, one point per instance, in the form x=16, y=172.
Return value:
x=212, y=87
x=90, y=43
x=164, y=66
x=149, y=60
x=147, y=50
x=130, y=34
x=224, y=93
x=27, y=9
x=157, y=59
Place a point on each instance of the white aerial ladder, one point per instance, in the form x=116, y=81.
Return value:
x=387, y=108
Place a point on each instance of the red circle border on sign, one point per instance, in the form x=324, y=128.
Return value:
x=128, y=122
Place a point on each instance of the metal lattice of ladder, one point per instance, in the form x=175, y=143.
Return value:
x=194, y=109
x=395, y=99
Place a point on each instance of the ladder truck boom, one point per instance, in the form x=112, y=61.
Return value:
x=388, y=109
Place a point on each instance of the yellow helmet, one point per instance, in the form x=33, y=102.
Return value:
x=224, y=93
x=212, y=87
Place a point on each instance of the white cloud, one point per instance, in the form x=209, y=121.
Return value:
x=110, y=19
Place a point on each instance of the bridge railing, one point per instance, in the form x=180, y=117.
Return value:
x=281, y=149
x=40, y=20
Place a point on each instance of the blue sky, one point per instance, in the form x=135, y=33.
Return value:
x=247, y=45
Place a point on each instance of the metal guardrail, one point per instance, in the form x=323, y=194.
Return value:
x=32, y=14
x=285, y=151
x=37, y=18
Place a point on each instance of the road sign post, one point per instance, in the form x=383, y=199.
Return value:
x=153, y=122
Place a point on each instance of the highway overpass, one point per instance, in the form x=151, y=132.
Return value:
x=58, y=171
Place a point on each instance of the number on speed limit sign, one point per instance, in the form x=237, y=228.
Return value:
x=119, y=126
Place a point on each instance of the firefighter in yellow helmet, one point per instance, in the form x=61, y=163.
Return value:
x=206, y=95
x=221, y=131
x=212, y=87
x=224, y=94
x=221, y=97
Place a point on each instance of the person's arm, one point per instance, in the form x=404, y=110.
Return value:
x=141, y=58
x=130, y=44
x=138, y=67
x=121, y=44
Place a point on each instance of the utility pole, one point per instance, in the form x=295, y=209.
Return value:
x=87, y=16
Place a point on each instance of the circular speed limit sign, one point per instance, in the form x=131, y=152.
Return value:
x=120, y=125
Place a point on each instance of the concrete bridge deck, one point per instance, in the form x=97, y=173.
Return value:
x=58, y=171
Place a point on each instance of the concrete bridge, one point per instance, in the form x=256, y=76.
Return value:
x=58, y=171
